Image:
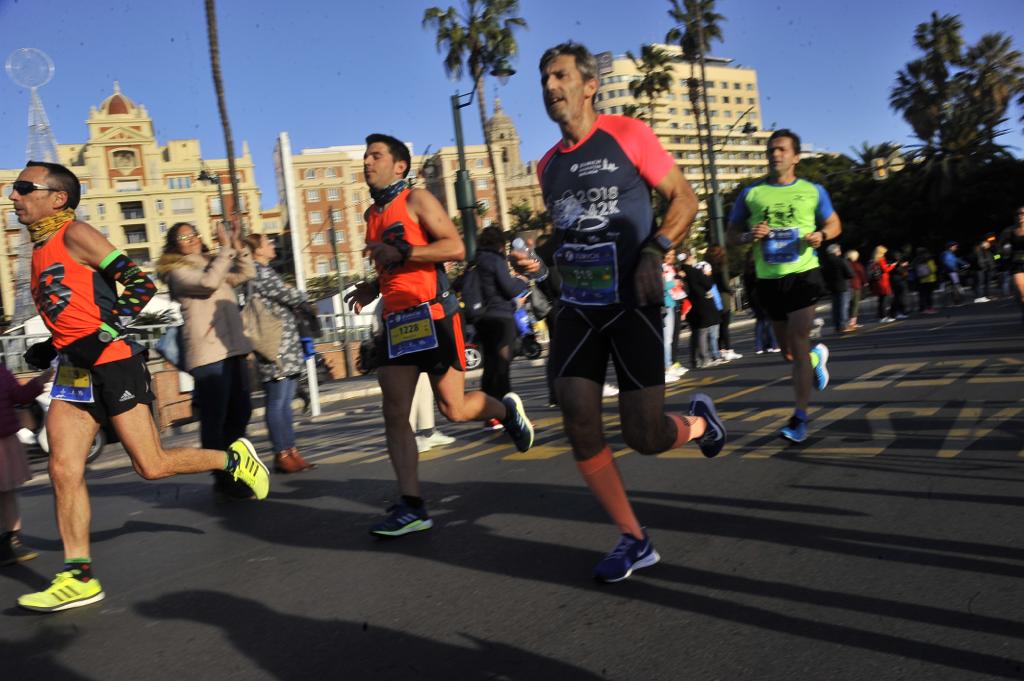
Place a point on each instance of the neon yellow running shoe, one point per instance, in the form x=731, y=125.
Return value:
x=248, y=468
x=66, y=591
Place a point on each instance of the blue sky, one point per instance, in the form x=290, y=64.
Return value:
x=329, y=72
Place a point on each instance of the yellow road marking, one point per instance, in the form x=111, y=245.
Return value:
x=961, y=430
x=345, y=458
x=747, y=391
x=898, y=370
x=829, y=417
x=950, y=377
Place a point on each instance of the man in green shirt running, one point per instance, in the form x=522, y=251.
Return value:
x=786, y=219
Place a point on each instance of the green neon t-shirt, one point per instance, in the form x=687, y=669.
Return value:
x=792, y=211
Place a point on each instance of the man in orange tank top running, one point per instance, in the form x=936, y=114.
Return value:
x=101, y=376
x=409, y=236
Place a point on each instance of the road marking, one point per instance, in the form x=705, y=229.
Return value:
x=950, y=377
x=897, y=371
x=961, y=430
x=747, y=391
x=345, y=458
x=777, y=414
x=818, y=424
x=886, y=414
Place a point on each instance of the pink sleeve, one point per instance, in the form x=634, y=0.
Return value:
x=641, y=146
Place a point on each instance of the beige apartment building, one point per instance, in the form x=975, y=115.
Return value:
x=134, y=188
x=329, y=191
x=734, y=102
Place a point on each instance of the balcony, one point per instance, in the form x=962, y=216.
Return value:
x=132, y=211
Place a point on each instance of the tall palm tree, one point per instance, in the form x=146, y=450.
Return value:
x=697, y=24
x=655, y=69
x=475, y=40
x=866, y=152
x=993, y=75
x=218, y=86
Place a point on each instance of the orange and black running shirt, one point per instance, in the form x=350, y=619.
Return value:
x=71, y=297
x=410, y=283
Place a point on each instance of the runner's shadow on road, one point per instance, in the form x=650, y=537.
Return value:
x=290, y=647
x=100, y=536
x=36, y=658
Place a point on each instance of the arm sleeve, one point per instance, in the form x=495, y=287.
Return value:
x=138, y=288
x=242, y=270
x=641, y=145
x=824, y=210
x=740, y=213
x=270, y=286
x=202, y=282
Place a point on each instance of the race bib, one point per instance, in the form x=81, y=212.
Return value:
x=72, y=384
x=410, y=330
x=589, y=273
x=782, y=246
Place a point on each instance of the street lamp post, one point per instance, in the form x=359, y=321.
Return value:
x=206, y=176
x=349, y=369
x=465, y=197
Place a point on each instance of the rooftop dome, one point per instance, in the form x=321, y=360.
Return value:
x=117, y=103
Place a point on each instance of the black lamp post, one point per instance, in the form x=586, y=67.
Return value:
x=349, y=370
x=205, y=176
x=465, y=197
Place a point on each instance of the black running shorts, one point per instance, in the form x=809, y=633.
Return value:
x=118, y=386
x=585, y=337
x=781, y=297
x=449, y=353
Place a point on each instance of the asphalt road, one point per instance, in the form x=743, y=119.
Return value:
x=888, y=546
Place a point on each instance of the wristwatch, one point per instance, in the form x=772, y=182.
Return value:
x=662, y=242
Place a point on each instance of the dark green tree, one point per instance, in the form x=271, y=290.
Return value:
x=474, y=41
x=655, y=69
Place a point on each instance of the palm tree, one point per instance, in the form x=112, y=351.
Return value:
x=993, y=74
x=218, y=86
x=697, y=25
x=475, y=41
x=866, y=152
x=655, y=69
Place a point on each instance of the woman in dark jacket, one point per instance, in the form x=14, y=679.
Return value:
x=716, y=256
x=496, y=329
x=702, y=315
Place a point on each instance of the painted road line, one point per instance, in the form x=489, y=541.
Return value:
x=1006, y=370
x=345, y=458
x=950, y=377
x=885, y=414
x=888, y=374
x=763, y=436
x=753, y=389
x=961, y=430
x=817, y=425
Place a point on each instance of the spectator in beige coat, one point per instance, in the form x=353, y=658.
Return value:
x=213, y=340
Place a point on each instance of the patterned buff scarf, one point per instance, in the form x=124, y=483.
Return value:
x=382, y=197
x=41, y=230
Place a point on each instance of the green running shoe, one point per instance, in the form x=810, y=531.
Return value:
x=248, y=468
x=66, y=591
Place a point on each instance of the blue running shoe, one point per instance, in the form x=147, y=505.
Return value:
x=821, y=371
x=629, y=554
x=402, y=519
x=713, y=439
x=796, y=431
x=517, y=425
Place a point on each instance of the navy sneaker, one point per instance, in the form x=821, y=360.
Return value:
x=629, y=554
x=821, y=371
x=713, y=439
x=402, y=519
x=517, y=425
x=796, y=431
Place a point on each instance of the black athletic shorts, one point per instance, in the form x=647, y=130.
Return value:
x=117, y=387
x=585, y=337
x=449, y=353
x=780, y=297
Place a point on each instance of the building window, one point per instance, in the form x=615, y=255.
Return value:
x=725, y=100
x=310, y=174
x=12, y=220
x=478, y=163
x=357, y=218
x=318, y=238
x=124, y=159
x=332, y=194
x=330, y=172
x=159, y=205
x=179, y=206
x=339, y=236
x=322, y=266
x=343, y=267
x=336, y=215
x=163, y=228
x=736, y=86
x=135, y=234
x=128, y=186
x=101, y=209
x=316, y=217
x=215, y=207
x=140, y=256
x=132, y=210
x=179, y=182
x=750, y=100
x=481, y=183
x=312, y=194
x=83, y=188
x=750, y=86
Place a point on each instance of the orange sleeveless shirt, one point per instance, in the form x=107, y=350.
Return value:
x=414, y=282
x=70, y=296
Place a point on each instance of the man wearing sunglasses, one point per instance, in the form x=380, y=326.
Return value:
x=101, y=376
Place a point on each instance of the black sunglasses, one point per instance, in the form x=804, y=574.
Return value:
x=24, y=187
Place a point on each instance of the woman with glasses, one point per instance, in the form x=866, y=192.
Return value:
x=214, y=341
x=281, y=376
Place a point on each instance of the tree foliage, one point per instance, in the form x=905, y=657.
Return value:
x=474, y=41
x=655, y=69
